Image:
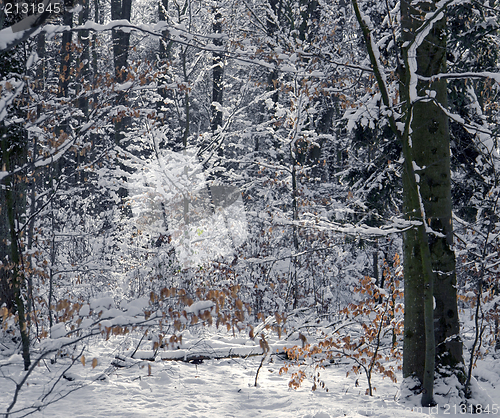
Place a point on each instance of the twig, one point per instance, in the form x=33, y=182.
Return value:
x=138, y=345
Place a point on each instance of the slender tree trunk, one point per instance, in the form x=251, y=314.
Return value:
x=65, y=70
x=13, y=154
x=84, y=58
x=121, y=9
x=164, y=52
x=17, y=282
x=94, y=54
x=273, y=18
x=162, y=17
x=217, y=73
x=11, y=277
x=274, y=15
x=39, y=86
x=51, y=268
x=31, y=227
x=187, y=108
x=295, y=232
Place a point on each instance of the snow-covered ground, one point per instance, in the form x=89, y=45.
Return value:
x=214, y=388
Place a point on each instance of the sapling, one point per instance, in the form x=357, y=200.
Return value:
x=367, y=335
x=266, y=354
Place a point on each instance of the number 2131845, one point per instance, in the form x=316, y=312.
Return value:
x=28, y=8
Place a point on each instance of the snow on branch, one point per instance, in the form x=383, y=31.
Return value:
x=396, y=227
x=420, y=35
x=374, y=54
x=464, y=75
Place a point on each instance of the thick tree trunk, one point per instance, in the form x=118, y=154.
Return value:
x=430, y=151
x=429, y=262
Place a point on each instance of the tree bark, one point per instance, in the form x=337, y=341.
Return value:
x=430, y=152
x=65, y=69
x=426, y=195
x=13, y=203
x=120, y=10
x=84, y=58
x=217, y=74
x=164, y=53
x=13, y=154
x=97, y=19
x=16, y=278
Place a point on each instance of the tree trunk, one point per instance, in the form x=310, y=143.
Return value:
x=120, y=9
x=164, y=53
x=12, y=205
x=16, y=278
x=13, y=154
x=65, y=70
x=426, y=197
x=429, y=149
x=217, y=74
x=84, y=59
x=39, y=86
x=95, y=67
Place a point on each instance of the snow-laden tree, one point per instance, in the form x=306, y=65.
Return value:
x=420, y=120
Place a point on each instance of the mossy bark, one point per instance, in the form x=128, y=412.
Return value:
x=431, y=338
x=430, y=151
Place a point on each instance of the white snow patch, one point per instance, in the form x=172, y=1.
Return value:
x=201, y=305
x=84, y=310
x=58, y=331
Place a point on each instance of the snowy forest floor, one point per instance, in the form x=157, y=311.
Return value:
x=214, y=388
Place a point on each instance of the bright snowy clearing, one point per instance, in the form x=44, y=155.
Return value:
x=118, y=386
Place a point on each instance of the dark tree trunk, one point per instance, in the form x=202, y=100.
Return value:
x=13, y=206
x=217, y=74
x=84, y=59
x=164, y=53
x=120, y=10
x=65, y=69
x=95, y=68
x=429, y=262
x=13, y=154
x=430, y=151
